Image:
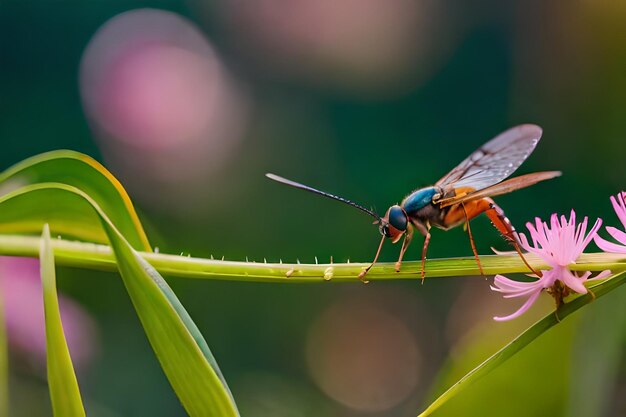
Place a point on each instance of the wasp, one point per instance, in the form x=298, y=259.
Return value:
x=462, y=194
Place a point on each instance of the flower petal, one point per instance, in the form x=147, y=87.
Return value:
x=607, y=246
x=559, y=242
x=531, y=300
x=617, y=234
x=506, y=285
x=619, y=204
x=573, y=282
x=602, y=275
x=592, y=233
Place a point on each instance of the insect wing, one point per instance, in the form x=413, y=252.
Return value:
x=503, y=187
x=495, y=160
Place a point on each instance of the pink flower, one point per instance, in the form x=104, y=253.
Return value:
x=559, y=245
x=619, y=204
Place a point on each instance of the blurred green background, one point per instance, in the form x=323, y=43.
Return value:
x=189, y=103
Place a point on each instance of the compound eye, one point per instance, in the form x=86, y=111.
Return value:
x=397, y=218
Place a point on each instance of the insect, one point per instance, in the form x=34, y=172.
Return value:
x=462, y=194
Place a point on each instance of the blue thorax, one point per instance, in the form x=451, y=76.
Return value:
x=419, y=199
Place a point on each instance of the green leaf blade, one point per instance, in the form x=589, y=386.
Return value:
x=196, y=378
x=523, y=340
x=88, y=175
x=62, y=382
x=177, y=343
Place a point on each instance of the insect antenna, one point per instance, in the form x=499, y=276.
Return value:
x=322, y=193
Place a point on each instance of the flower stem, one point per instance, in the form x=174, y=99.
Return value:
x=100, y=257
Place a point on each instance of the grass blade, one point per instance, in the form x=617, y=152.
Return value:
x=182, y=351
x=523, y=340
x=180, y=348
x=64, y=391
x=88, y=175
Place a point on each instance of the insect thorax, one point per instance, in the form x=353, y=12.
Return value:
x=418, y=199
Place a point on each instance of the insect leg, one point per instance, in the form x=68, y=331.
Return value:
x=424, y=248
x=471, y=237
x=500, y=221
x=366, y=270
x=405, y=244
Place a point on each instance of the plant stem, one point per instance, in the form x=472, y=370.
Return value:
x=100, y=257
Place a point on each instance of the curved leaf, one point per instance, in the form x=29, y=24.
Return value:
x=88, y=175
x=64, y=391
x=65, y=215
x=523, y=340
x=179, y=346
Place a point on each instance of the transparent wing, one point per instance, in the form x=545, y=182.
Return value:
x=503, y=187
x=495, y=160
